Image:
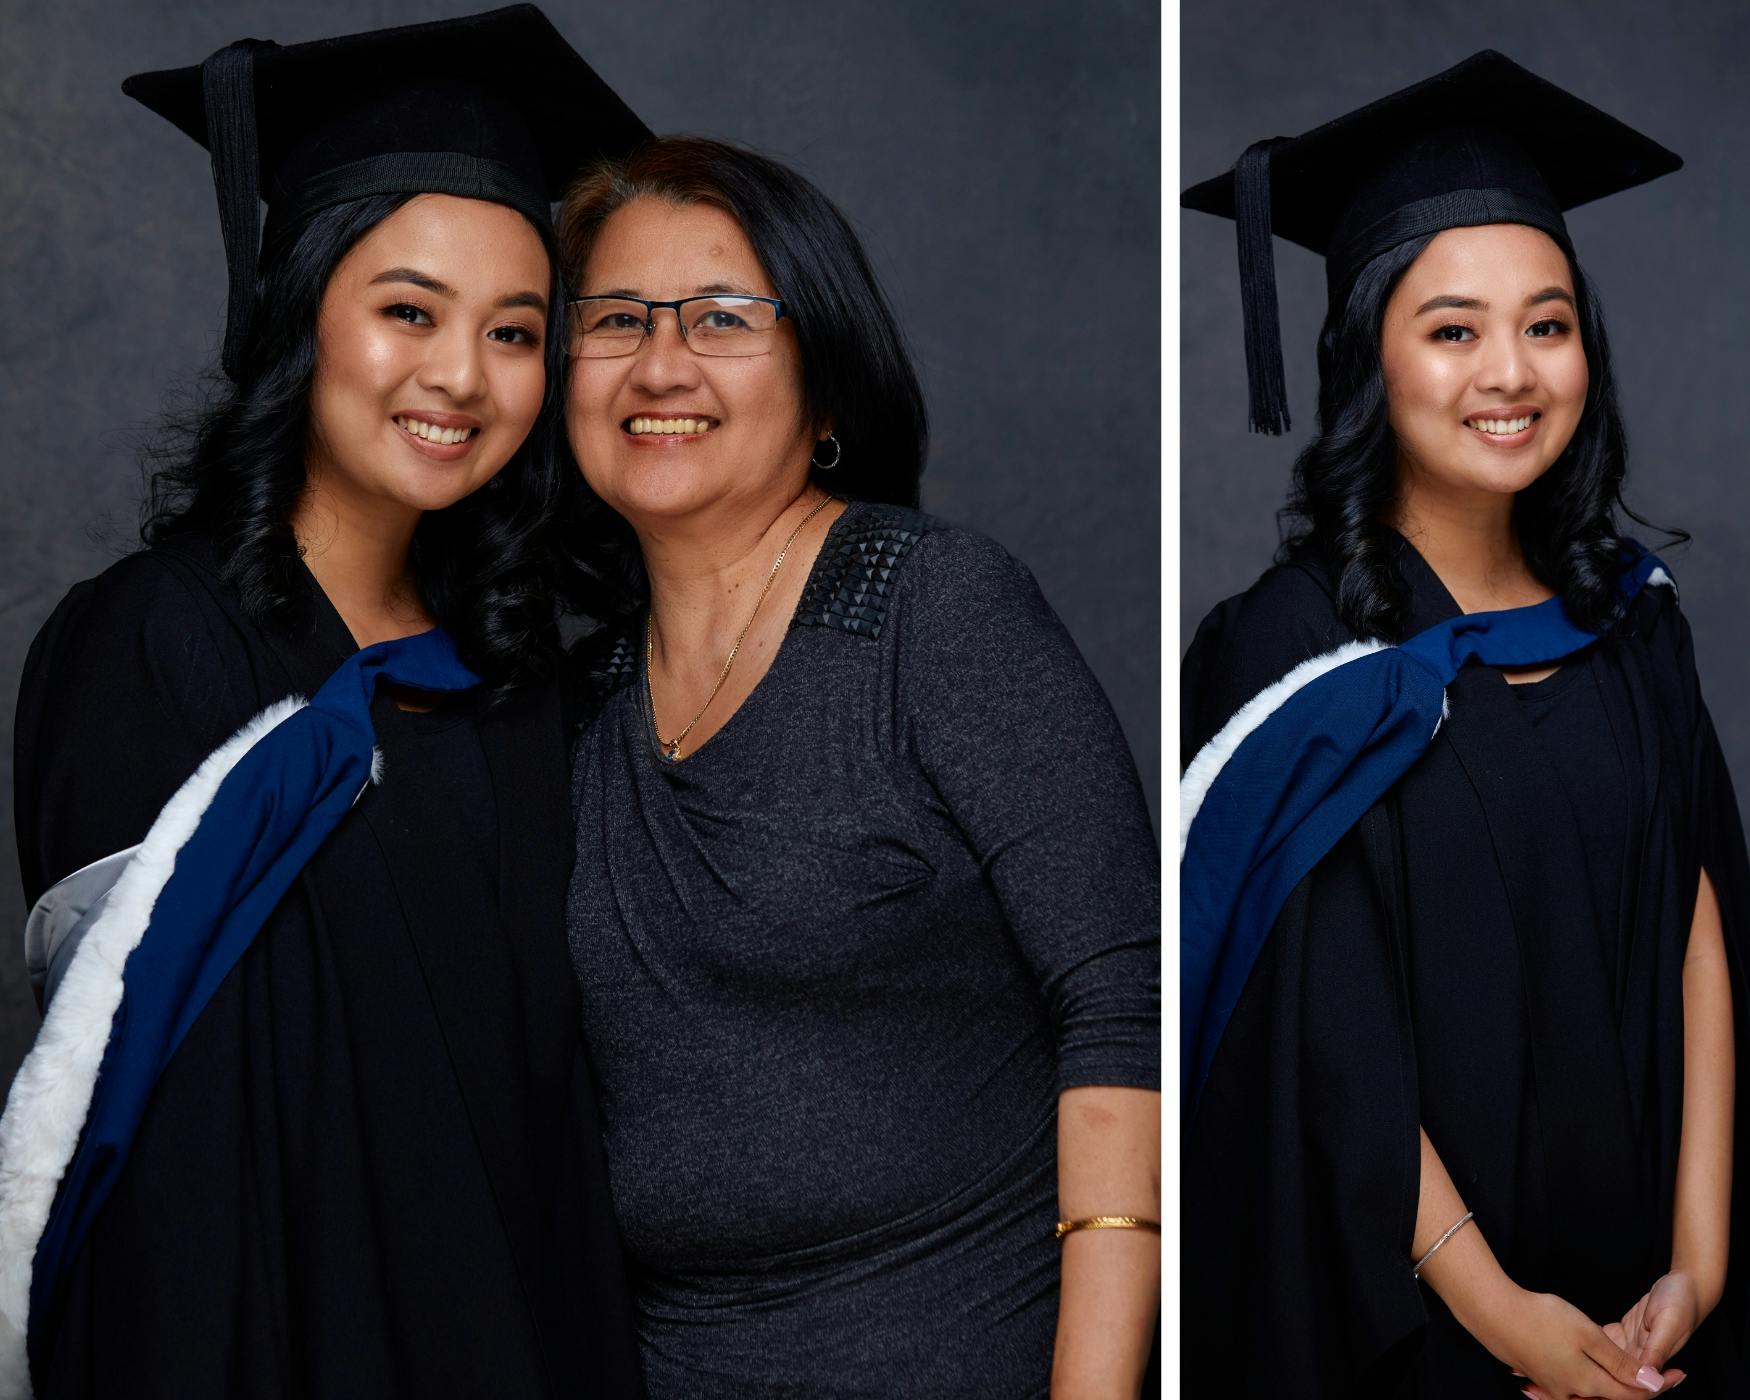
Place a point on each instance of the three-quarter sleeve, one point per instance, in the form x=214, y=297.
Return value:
x=1020, y=745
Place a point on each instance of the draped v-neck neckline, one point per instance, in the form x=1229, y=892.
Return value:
x=653, y=742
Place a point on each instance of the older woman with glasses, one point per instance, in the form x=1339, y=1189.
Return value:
x=866, y=902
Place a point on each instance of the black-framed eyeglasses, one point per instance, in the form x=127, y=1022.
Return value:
x=602, y=328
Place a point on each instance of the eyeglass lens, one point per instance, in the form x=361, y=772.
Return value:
x=603, y=327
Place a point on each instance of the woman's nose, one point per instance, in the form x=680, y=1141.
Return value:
x=1505, y=367
x=454, y=366
x=664, y=362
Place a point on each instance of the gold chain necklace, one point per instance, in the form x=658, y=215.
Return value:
x=671, y=748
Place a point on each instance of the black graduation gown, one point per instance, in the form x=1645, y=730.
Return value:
x=373, y=1167
x=1442, y=967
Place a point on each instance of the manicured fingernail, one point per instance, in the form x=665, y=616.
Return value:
x=1528, y=1395
x=1650, y=1379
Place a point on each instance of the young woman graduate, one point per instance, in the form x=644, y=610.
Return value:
x=308, y=1114
x=1464, y=892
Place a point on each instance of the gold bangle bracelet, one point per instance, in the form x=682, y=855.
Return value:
x=1107, y=1222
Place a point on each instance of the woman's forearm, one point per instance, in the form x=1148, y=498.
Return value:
x=1702, y=1215
x=1463, y=1271
x=1108, y=1163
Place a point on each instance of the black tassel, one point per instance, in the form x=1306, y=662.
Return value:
x=228, y=88
x=1268, y=391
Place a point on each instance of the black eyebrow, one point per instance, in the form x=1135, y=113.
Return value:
x=414, y=277
x=1550, y=294
x=1457, y=303
x=1443, y=303
x=417, y=278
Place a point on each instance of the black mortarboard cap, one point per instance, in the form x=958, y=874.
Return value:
x=493, y=106
x=1485, y=142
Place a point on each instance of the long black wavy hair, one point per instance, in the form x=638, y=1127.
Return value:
x=234, y=468
x=856, y=371
x=1345, y=479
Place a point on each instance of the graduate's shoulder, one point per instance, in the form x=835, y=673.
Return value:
x=1252, y=640
x=156, y=611
x=146, y=588
x=126, y=688
x=1287, y=616
x=1655, y=619
x=1655, y=630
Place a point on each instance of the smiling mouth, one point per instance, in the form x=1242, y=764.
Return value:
x=668, y=427
x=1502, y=427
x=432, y=433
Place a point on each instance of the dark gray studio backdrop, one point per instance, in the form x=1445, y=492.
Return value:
x=1671, y=260
x=990, y=154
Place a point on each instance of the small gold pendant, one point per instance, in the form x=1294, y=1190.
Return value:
x=672, y=751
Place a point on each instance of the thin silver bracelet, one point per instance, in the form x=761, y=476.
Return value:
x=1463, y=1220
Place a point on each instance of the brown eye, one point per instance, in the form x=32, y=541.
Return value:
x=1455, y=335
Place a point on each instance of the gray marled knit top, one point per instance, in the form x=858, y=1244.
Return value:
x=837, y=964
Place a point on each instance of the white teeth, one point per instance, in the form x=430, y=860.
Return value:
x=443, y=437
x=670, y=427
x=1502, y=427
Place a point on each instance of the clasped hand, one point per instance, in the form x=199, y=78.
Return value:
x=1564, y=1355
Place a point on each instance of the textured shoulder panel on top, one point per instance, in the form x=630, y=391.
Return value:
x=601, y=666
x=853, y=578
x=617, y=665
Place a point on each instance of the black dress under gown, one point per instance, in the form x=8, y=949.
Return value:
x=373, y=1167
x=1494, y=953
